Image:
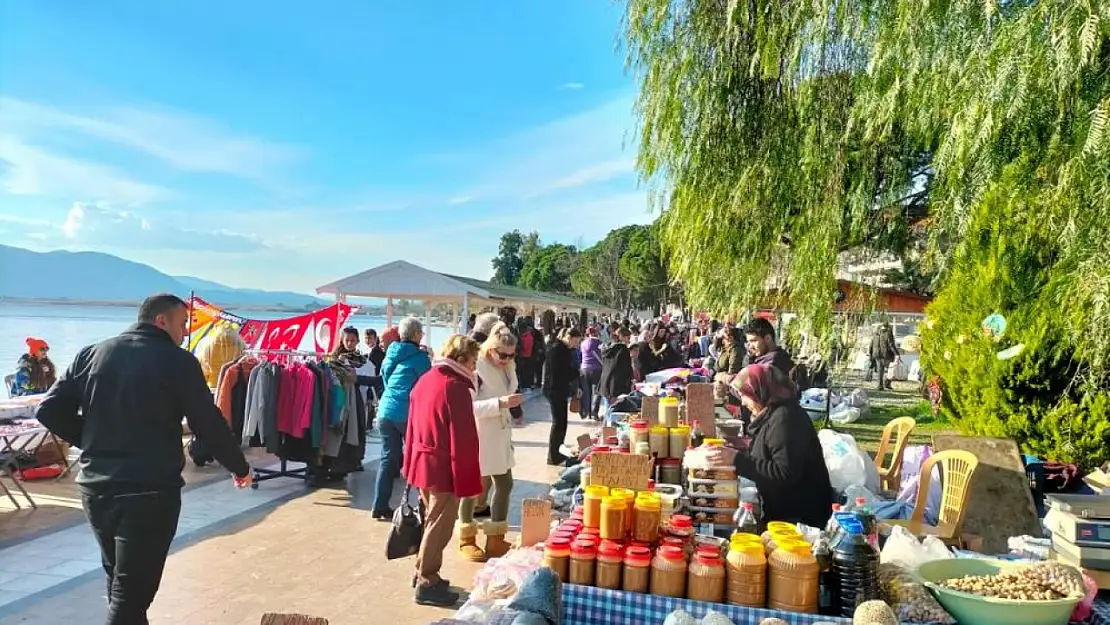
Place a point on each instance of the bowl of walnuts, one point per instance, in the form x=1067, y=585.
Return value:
x=994, y=592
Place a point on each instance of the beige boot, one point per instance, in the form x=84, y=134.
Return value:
x=468, y=543
x=496, y=545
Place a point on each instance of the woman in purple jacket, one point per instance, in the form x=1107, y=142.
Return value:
x=591, y=374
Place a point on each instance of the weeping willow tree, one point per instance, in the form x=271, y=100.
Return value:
x=793, y=130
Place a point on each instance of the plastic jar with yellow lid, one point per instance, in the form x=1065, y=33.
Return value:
x=646, y=516
x=613, y=510
x=679, y=441
x=782, y=526
x=746, y=574
x=629, y=497
x=668, y=412
x=592, y=496
x=713, y=442
x=792, y=578
x=659, y=439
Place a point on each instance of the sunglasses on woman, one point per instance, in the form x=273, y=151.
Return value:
x=504, y=356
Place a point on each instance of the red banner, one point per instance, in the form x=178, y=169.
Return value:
x=289, y=333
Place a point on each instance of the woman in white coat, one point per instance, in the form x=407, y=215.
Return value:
x=495, y=396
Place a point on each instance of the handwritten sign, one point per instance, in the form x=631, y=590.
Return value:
x=584, y=441
x=535, y=521
x=649, y=409
x=701, y=408
x=621, y=470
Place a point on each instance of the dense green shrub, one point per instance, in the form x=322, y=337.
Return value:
x=1046, y=398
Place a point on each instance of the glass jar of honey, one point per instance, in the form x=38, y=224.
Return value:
x=613, y=510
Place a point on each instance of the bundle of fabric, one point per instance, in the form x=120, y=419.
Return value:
x=221, y=346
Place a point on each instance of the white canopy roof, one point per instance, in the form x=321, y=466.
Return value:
x=402, y=279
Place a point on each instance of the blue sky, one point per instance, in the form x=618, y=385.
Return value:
x=286, y=144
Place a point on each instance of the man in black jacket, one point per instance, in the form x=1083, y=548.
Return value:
x=121, y=402
x=559, y=378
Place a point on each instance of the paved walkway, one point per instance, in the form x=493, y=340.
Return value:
x=281, y=548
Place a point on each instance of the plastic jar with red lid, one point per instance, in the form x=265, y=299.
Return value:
x=706, y=578
x=610, y=560
x=556, y=555
x=668, y=572
x=637, y=569
x=583, y=562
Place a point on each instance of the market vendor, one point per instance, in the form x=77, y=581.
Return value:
x=34, y=373
x=784, y=457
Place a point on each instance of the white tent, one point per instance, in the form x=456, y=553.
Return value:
x=402, y=279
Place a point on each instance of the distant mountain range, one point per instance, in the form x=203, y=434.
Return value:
x=93, y=276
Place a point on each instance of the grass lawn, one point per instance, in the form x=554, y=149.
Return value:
x=888, y=405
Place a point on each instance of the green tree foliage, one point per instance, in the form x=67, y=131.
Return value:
x=624, y=269
x=509, y=261
x=550, y=268
x=794, y=130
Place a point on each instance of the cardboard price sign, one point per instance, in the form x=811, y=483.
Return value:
x=621, y=470
x=535, y=521
x=649, y=409
x=701, y=407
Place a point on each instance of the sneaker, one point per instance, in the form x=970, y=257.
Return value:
x=441, y=582
x=382, y=515
x=439, y=596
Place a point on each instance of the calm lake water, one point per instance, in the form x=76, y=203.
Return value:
x=69, y=328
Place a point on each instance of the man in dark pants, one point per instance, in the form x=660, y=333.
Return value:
x=560, y=378
x=121, y=402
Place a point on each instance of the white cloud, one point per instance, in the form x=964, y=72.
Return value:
x=101, y=225
x=579, y=150
x=571, y=86
x=462, y=199
x=185, y=142
x=29, y=170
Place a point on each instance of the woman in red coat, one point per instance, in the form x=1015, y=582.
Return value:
x=441, y=458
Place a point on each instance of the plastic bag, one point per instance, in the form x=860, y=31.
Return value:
x=1084, y=608
x=910, y=599
x=501, y=577
x=902, y=549
x=858, y=399
x=680, y=617
x=847, y=464
x=844, y=414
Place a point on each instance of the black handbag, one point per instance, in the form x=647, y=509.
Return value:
x=407, y=531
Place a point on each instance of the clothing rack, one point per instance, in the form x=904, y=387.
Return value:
x=301, y=473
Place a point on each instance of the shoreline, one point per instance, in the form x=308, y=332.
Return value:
x=48, y=301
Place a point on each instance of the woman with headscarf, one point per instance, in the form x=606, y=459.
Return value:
x=441, y=458
x=34, y=373
x=784, y=456
x=494, y=401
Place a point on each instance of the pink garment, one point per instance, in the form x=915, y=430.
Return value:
x=295, y=391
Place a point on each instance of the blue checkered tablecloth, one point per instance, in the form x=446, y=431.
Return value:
x=585, y=605
x=1101, y=609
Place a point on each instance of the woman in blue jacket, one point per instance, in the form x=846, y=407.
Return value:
x=404, y=363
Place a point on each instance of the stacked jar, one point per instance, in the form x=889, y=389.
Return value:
x=629, y=497
x=637, y=569
x=678, y=441
x=638, y=438
x=583, y=561
x=668, y=412
x=659, y=438
x=746, y=571
x=591, y=515
x=706, y=577
x=646, y=515
x=680, y=531
x=792, y=581
x=610, y=563
x=556, y=555
x=613, y=511
x=668, y=572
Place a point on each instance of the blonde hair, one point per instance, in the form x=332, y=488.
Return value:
x=459, y=347
x=500, y=336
